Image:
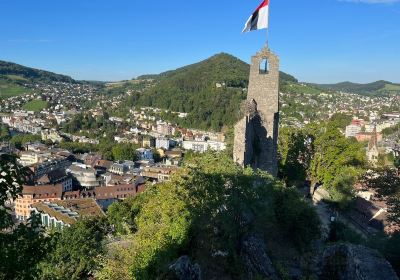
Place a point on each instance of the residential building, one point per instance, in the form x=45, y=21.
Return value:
x=144, y=154
x=63, y=213
x=163, y=143
x=34, y=194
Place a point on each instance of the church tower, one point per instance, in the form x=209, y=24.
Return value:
x=256, y=134
x=373, y=151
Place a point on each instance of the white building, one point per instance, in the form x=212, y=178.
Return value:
x=203, y=146
x=28, y=158
x=84, y=174
x=163, y=143
x=352, y=130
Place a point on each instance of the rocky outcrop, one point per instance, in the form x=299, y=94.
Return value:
x=255, y=258
x=347, y=261
x=183, y=269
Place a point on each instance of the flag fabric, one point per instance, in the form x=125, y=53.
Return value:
x=259, y=19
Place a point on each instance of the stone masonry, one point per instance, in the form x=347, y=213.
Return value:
x=256, y=133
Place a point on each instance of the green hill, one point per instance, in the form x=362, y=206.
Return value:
x=378, y=87
x=16, y=79
x=9, y=89
x=21, y=74
x=211, y=91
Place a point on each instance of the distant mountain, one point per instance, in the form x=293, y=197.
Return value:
x=211, y=91
x=22, y=74
x=378, y=87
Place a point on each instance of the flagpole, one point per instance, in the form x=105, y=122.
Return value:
x=269, y=9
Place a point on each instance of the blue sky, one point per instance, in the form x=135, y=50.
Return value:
x=317, y=40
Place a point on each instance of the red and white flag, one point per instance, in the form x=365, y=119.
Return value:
x=259, y=19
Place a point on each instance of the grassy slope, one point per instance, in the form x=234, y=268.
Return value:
x=35, y=105
x=9, y=89
x=300, y=88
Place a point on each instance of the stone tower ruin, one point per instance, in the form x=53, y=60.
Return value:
x=256, y=133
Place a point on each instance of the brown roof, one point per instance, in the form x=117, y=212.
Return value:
x=119, y=191
x=43, y=191
x=104, y=163
x=173, y=153
x=52, y=176
x=44, y=179
x=83, y=207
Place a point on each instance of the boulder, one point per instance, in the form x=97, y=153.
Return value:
x=256, y=259
x=183, y=269
x=348, y=261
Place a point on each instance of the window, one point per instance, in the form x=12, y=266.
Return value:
x=264, y=66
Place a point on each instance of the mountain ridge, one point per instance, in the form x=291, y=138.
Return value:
x=11, y=70
x=377, y=87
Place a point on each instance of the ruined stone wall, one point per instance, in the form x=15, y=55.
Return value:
x=256, y=135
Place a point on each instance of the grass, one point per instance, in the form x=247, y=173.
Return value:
x=35, y=105
x=8, y=89
x=390, y=87
x=297, y=88
x=16, y=78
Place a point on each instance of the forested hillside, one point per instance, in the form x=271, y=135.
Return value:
x=378, y=87
x=211, y=91
x=22, y=74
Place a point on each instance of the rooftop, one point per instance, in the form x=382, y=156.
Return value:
x=68, y=211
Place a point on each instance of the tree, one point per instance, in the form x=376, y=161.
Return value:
x=396, y=162
x=340, y=120
x=335, y=158
x=211, y=205
x=74, y=252
x=295, y=152
x=4, y=133
x=20, y=140
x=386, y=182
x=12, y=177
x=23, y=246
x=124, y=151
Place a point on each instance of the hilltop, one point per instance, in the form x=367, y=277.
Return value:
x=211, y=91
x=220, y=67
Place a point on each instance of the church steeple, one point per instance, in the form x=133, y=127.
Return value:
x=372, y=151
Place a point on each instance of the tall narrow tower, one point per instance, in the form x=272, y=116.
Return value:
x=256, y=134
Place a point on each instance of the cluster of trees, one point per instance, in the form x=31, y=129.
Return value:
x=4, y=133
x=19, y=140
x=28, y=252
x=110, y=150
x=211, y=205
x=391, y=130
x=86, y=122
x=321, y=152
